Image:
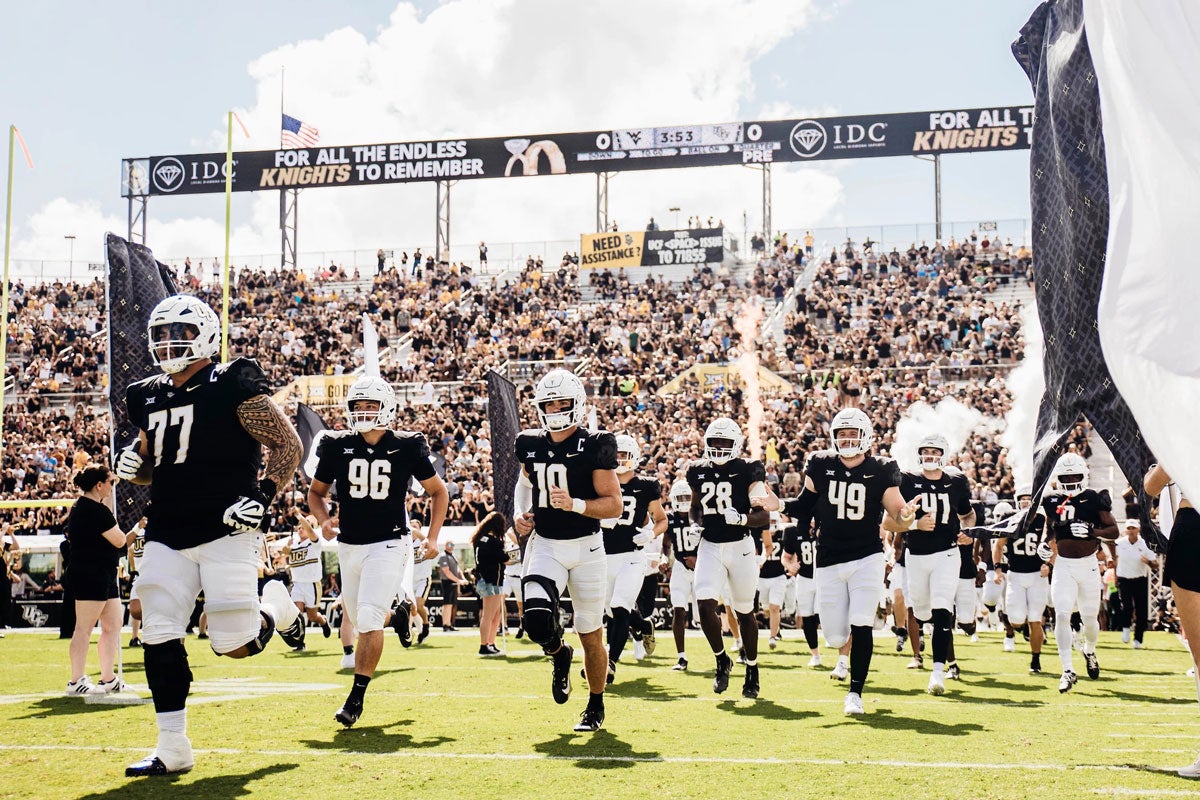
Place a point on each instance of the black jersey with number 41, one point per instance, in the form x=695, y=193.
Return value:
x=723, y=486
x=569, y=465
x=944, y=499
x=849, y=505
x=203, y=460
x=636, y=497
x=372, y=481
x=684, y=536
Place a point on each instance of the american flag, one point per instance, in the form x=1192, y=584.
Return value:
x=298, y=134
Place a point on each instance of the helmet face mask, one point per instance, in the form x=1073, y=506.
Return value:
x=850, y=421
x=722, y=440
x=628, y=454
x=932, y=451
x=182, y=330
x=556, y=386
x=681, y=497
x=370, y=405
x=1070, y=475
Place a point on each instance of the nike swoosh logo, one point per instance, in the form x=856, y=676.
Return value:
x=390, y=546
x=571, y=455
x=745, y=554
x=191, y=388
x=594, y=549
x=393, y=452
x=868, y=476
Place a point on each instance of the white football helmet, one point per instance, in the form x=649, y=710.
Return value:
x=852, y=419
x=680, y=497
x=628, y=453
x=722, y=440
x=560, y=384
x=1002, y=510
x=1070, y=475
x=170, y=322
x=373, y=389
x=933, y=441
x=1024, y=495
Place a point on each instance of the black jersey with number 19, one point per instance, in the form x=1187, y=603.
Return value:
x=372, y=481
x=569, y=465
x=203, y=459
x=849, y=505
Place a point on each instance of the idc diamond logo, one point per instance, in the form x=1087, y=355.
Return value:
x=808, y=138
x=168, y=174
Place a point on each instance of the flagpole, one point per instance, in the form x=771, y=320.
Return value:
x=228, y=206
x=4, y=302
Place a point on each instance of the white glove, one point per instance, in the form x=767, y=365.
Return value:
x=608, y=523
x=1044, y=552
x=642, y=537
x=129, y=462
x=246, y=514
x=1081, y=530
x=734, y=517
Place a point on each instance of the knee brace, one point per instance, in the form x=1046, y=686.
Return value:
x=540, y=616
x=167, y=674
x=943, y=618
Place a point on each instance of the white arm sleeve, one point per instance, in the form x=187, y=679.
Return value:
x=522, y=494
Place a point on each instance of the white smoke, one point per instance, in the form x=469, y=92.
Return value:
x=949, y=417
x=1026, y=383
x=746, y=324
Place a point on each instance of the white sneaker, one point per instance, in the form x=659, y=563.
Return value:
x=173, y=755
x=840, y=673
x=815, y=661
x=916, y=663
x=1125, y=635
x=937, y=682
x=1010, y=645
x=347, y=661
x=115, y=685
x=854, y=706
x=1137, y=645
x=81, y=687
x=1190, y=772
x=1066, y=681
x=639, y=650
x=772, y=643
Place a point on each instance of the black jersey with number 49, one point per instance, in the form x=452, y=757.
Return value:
x=849, y=505
x=569, y=465
x=372, y=481
x=944, y=499
x=723, y=486
x=684, y=536
x=203, y=460
x=636, y=497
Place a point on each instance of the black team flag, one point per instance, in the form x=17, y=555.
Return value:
x=505, y=422
x=311, y=427
x=136, y=284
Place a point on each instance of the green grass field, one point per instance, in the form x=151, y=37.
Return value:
x=441, y=722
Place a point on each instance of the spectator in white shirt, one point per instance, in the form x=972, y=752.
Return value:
x=1134, y=562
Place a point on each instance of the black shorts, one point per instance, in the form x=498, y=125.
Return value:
x=449, y=592
x=1182, y=566
x=93, y=584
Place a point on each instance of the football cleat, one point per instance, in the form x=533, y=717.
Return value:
x=901, y=640
x=650, y=642
x=841, y=671
x=560, y=682
x=639, y=650
x=1093, y=665
x=326, y=631
x=172, y=757
x=1066, y=682
x=402, y=623
x=974, y=638
x=590, y=720
x=937, y=683
x=741, y=659
x=1010, y=645
x=349, y=713
x=750, y=683
x=680, y=665
x=853, y=706
x=1137, y=645
x=347, y=661
x=1125, y=635
x=1035, y=664
x=424, y=634
x=520, y=631
x=293, y=635
x=81, y=687
x=134, y=642
x=916, y=663
x=815, y=661
x=772, y=643
x=721, y=679
x=953, y=672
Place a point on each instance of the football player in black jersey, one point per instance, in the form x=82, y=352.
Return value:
x=772, y=578
x=201, y=429
x=372, y=466
x=848, y=492
x=1077, y=520
x=931, y=559
x=799, y=559
x=679, y=545
x=568, y=483
x=723, y=488
x=642, y=518
x=1027, y=586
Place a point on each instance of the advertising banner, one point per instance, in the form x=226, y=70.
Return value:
x=651, y=248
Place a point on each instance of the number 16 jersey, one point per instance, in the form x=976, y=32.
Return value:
x=849, y=505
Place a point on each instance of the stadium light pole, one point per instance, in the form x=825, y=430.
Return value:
x=936, y=158
x=70, y=237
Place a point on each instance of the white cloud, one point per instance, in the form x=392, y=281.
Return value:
x=485, y=68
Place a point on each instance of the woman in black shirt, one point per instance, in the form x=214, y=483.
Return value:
x=97, y=544
x=488, y=542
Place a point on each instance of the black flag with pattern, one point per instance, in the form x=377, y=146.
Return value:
x=136, y=284
x=505, y=423
x=310, y=427
x=1070, y=211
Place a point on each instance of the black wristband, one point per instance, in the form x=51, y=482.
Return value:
x=268, y=489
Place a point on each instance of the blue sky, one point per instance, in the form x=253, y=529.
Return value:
x=90, y=83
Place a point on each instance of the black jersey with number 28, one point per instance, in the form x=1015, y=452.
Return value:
x=203, y=459
x=569, y=465
x=372, y=481
x=849, y=505
x=722, y=486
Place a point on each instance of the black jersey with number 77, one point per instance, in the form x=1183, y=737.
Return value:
x=849, y=505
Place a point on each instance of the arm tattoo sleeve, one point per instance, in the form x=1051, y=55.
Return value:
x=265, y=421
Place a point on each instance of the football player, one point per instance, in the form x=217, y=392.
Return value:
x=799, y=559
x=568, y=483
x=679, y=544
x=201, y=430
x=1077, y=520
x=848, y=491
x=422, y=578
x=372, y=466
x=1026, y=576
x=512, y=578
x=723, y=487
x=931, y=559
x=642, y=518
x=304, y=562
x=134, y=557
x=772, y=579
